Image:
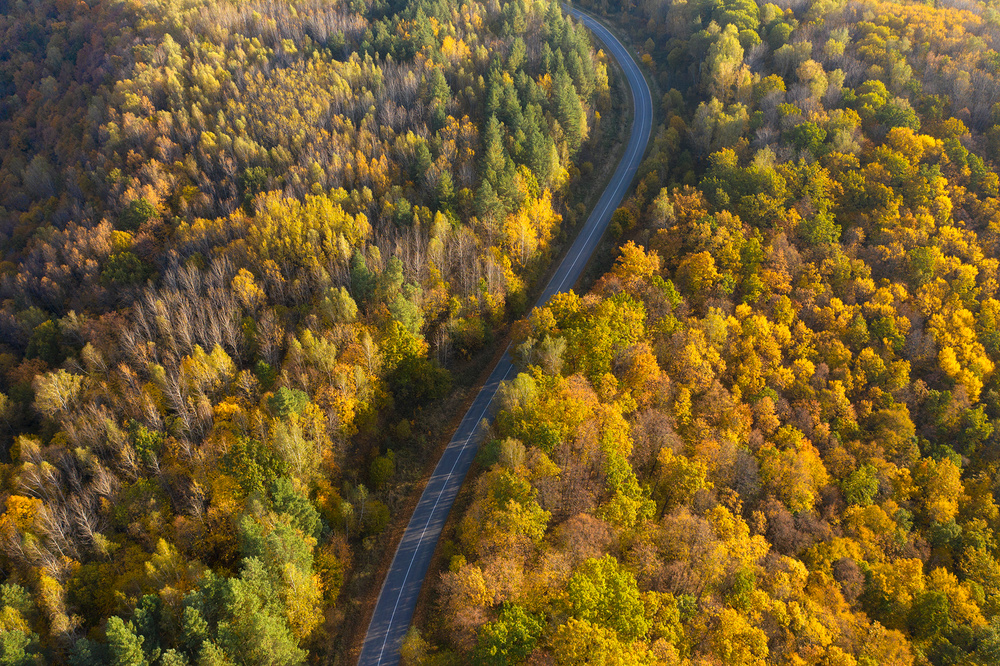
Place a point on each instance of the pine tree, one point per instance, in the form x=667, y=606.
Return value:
x=498, y=168
x=568, y=110
x=445, y=191
x=124, y=645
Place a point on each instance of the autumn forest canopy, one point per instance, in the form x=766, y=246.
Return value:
x=254, y=254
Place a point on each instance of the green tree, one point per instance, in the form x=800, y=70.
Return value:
x=46, y=343
x=722, y=64
x=382, y=469
x=488, y=204
x=287, y=401
x=861, y=486
x=173, y=658
x=508, y=640
x=125, y=268
x=417, y=380
x=303, y=515
x=254, y=634
x=194, y=630
x=741, y=13
x=808, y=136
x=445, y=191
x=497, y=167
x=252, y=182
x=17, y=648
x=86, y=652
x=254, y=465
x=404, y=310
x=136, y=214
x=601, y=591
x=568, y=110
x=124, y=645
x=820, y=229
x=363, y=281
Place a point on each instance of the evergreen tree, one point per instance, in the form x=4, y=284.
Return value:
x=497, y=167
x=445, y=191
x=568, y=110
x=124, y=645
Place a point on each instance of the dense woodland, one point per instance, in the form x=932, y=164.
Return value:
x=770, y=434
x=244, y=246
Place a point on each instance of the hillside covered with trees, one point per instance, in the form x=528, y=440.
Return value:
x=770, y=433
x=244, y=246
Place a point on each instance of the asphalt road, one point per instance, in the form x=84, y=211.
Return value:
x=398, y=598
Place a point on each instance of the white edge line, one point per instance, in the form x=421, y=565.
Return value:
x=635, y=102
x=444, y=486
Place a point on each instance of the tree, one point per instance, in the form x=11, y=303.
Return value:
x=808, y=136
x=382, y=469
x=251, y=296
x=697, y=275
x=930, y=614
x=679, y=478
x=194, y=630
x=445, y=191
x=417, y=380
x=569, y=111
x=414, y=648
x=17, y=649
x=736, y=641
x=287, y=401
x=404, y=310
x=137, y=213
x=55, y=392
x=338, y=306
x=861, y=486
x=497, y=167
x=507, y=519
x=941, y=487
x=87, y=653
x=212, y=655
x=124, y=646
x=18, y=644
x=253, y=634
x=252, y=182
x=274, y=602
x=795, y=472
x=603, y=593
x=635, y=263
x=488, y=205
x=125, y=268
x=363, y=280
x=303, y=515
x=254, y=465
x=741, y=13
x=580, y=642
x=722, y=64
x=509, y=639
x=173, y=658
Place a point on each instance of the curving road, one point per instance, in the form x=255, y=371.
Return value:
x=398, y=598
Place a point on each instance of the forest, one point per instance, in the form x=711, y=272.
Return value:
x=770, y=432
x=250, y=253
x=247, y=247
